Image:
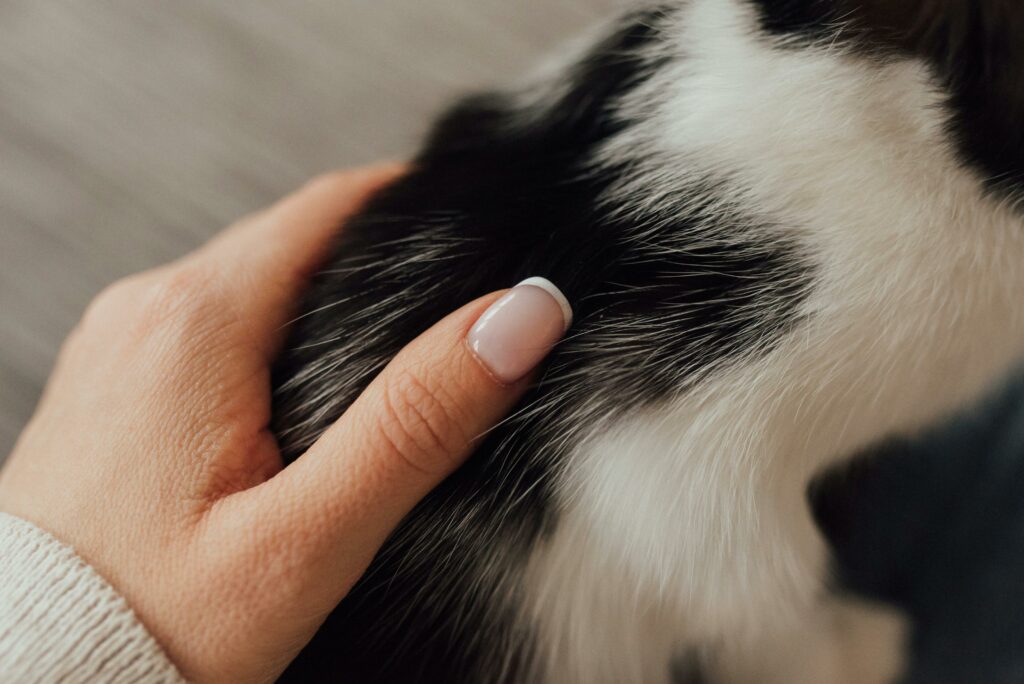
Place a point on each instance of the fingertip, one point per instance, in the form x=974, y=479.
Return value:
x=517, y=332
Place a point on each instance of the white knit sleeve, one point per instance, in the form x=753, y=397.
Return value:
x=61, y=622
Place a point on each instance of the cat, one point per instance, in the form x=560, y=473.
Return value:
x=788, y=228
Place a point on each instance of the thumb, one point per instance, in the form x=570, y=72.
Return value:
x=421, y=418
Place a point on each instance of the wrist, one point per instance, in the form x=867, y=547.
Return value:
x=60, y=620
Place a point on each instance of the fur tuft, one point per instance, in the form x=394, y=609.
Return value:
x=788, y=229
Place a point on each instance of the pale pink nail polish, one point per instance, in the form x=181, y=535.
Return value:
x=519, y=330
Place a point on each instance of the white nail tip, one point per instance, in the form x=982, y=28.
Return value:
x=556, y=294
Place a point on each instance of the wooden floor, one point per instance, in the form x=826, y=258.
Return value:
x=131, y=130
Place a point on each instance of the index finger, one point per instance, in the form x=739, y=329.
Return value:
x=264, y=262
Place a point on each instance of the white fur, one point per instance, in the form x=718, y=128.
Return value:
x=688, y=524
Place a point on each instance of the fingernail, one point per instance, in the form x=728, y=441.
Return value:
x=519, y=330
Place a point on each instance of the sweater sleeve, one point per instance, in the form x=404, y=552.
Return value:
x=61, y=621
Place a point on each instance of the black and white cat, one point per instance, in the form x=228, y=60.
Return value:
x=788, y=228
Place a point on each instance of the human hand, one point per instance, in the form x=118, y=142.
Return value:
x=150, y=452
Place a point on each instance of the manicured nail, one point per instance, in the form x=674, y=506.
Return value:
x=519, y=330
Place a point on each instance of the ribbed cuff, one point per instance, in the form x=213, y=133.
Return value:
x=61, y=621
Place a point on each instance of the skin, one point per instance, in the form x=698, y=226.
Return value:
x=150, y=453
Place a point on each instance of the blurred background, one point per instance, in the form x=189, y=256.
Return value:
x=132, y=130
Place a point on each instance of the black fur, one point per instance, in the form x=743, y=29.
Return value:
x=498, y=195
x=504, y=191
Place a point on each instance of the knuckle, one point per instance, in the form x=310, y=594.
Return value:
x=112, y=308
x=112, y=299
x=422, y=424
x=175, y=289
x=153, y=298
x=165, y=311
x=178, y=298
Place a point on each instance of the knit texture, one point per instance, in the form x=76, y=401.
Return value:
x=61, y=622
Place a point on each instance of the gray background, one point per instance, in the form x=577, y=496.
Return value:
x=131, y=130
